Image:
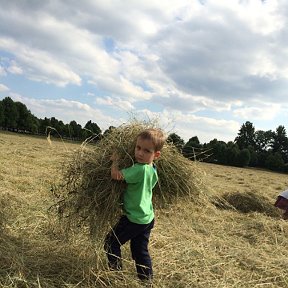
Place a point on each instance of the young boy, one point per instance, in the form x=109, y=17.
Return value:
x=138, y=219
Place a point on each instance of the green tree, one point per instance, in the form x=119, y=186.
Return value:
x=246, y=136
x=189, y=149
x=232, y=152
x=280, y=142
x=92, y=129
x=263, y=140
x=274, y=161
x=253, y=157
x=35, y=124
x=54, y=123
x=62, y=129
x=10, y=113
x=1, y=114
x=108, y=131
x=54, y=127
x=75, y=130
x=176, y=140
x=24, y=120
x=243, y=158
x=43, y=124
x=218, y=151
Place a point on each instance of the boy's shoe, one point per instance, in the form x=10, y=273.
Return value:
x=147, y=283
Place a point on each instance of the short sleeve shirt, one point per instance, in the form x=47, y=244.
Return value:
x=140, y=179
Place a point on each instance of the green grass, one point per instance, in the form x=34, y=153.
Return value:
x=235, y=238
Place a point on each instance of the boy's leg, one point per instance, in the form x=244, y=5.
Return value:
x=140, y=253
x=123, y=231
x=285, y=215
x=112, y=247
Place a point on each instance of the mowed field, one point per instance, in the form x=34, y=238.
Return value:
x=233, y=237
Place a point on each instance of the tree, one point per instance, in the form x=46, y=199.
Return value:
x=246, y=136
x=280, y=142
x=76, y=130
x=275, y=162
x=43, y=124
x=232, y=152
x=108, y=131
x=189, y=147
x=92, y=129
x=263, y=140
x=243, y=158
x=253, y=157
x=10, y=113
x=35, y=124
x=1, y=114
x=176, y=140
x=24, y=119
x=218, y=151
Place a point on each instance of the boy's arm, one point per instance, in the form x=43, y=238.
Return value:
x=115, y=172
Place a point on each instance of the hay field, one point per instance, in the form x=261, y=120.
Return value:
x=235, y=238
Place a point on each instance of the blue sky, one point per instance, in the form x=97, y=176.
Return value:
x=202, y=68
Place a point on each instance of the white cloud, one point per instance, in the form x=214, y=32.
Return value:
x=3, y=88
x=206, y=128
x=14, y=68
x=115, y=103
x=40, y=65
x=67, y=111
x=187, y=125
x=260, y=112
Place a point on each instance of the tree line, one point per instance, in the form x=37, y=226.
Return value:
x=262, y=149
x=14, y=116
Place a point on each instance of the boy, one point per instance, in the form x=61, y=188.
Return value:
x=282, y=203
x=138, y=219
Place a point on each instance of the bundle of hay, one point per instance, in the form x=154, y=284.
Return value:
x=90, y=196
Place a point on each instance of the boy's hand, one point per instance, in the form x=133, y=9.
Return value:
x=114, y=157
x=115, y=172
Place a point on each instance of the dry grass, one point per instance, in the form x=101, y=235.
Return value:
x=220, y=243
x=90, y=198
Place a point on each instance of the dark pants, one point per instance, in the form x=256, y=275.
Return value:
x=138, y=234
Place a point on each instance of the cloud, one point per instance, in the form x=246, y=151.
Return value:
x=3, y=88
x=217, y=53
x=193, y=47
x=40, y=65
x=259, y=112
x=188, y=125
x=178, y=58
x=67, y=111
x=14, y=68
x=206, y=128
x=115, y=103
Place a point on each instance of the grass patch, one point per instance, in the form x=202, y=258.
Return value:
x=192, y=245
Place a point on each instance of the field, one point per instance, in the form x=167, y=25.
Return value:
x=234, y=238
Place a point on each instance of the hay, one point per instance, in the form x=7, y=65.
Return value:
x=246, y=202
x=88, y=195
x=6, y=201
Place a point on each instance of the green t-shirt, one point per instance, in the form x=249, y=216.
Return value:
x=140, y=179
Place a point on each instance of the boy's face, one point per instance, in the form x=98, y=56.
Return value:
x=145, y=152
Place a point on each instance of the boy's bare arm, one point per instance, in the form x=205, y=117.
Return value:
x=115, y=172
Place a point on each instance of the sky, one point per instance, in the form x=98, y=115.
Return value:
x=199, y=68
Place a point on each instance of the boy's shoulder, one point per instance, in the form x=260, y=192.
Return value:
x=140, y=168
